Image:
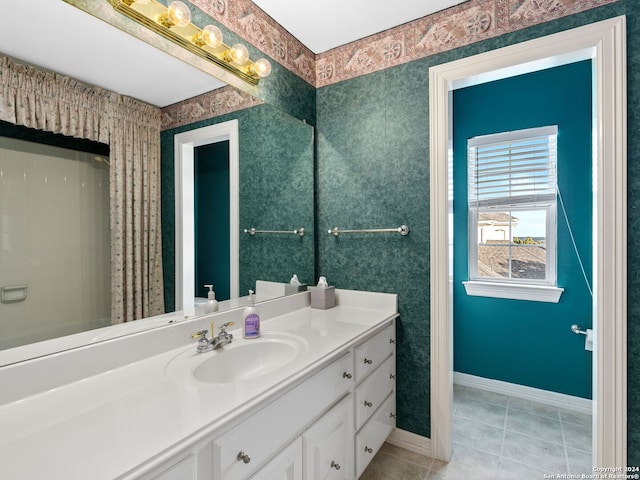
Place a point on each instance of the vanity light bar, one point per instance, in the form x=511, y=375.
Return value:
x=174, y=24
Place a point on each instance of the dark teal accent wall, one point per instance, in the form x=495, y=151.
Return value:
x=276, y=193
x=373, y=170
x=211, y=211
x=529, y=343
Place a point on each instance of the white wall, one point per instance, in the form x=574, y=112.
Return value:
x=54, y=238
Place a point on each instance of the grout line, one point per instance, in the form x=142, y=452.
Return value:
x=564, y=444
x=504, y=436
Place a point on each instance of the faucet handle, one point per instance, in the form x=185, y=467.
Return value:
x=203, y=342
x=224, y=326
x=200, y=334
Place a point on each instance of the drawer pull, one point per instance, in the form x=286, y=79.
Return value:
x=335, y=465
x=346, y=375
x=368, y=450
x=367, y=361
x=368, y=404
x=244, y=457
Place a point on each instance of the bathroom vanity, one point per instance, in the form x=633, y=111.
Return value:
x=312, y=398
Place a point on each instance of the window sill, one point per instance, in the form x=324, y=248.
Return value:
x=534, y=293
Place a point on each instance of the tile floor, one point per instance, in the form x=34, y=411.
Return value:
x=497, y=437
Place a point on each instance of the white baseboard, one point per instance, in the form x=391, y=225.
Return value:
x=569, y=402
x=410, y=441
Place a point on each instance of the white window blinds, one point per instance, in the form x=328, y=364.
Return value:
x=513, y=168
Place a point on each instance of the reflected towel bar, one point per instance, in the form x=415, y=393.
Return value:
x=402, y=230
x=252, y=231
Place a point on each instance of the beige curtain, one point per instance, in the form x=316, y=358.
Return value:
x=136, y=248
x=48, y=101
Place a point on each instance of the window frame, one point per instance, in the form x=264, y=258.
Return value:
x=545, y=290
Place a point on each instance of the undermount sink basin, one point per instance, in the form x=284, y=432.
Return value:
x=242, y=360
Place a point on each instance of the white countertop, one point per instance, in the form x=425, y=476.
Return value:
x=120, y=423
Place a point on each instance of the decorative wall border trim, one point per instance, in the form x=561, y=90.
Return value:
x=455, y=27
x=464, y=24
x=208, y=105
x=247, y=20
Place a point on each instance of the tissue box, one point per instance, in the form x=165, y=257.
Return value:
x=291, y=289
x=323, y=297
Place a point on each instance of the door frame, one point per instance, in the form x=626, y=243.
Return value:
x=605, y=44
x=184, y=146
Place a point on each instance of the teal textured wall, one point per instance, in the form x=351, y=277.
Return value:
x=276, y=193
x=373, y=170
x=529, y=343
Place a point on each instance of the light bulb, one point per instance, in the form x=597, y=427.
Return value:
x=210, y=36
x=177, y=14
x=261, y=68
x=239, y=54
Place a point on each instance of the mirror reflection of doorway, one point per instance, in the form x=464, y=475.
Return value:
x=212, y=219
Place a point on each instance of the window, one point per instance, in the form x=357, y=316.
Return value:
x=512, y=213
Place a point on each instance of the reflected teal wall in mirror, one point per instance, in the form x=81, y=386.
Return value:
x=276, y=193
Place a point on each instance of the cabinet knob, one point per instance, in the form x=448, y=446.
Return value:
x=392, y=376
x=368, y=404
x=392, y=415
x=335, y=465
x=244, y=457
x=368, y=361
x=368, y=450
x=391, y=340
x=346, y=375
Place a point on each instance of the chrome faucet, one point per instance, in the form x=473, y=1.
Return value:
x=223, y=338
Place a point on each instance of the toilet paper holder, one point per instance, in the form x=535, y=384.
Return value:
x=577, y=329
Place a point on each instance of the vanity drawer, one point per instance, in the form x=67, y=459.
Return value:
x=374, y=433
x=242, y=450
x=373, y=390
x=374, y=351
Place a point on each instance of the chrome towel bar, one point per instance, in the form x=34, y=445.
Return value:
x=252, y=231
x=402, y=230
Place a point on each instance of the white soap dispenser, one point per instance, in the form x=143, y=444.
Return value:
x=212, y=304
x=251, y=319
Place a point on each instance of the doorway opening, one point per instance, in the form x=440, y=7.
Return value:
x=186, y=145
x=604, y=44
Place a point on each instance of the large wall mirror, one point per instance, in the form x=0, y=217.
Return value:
x=275, y=173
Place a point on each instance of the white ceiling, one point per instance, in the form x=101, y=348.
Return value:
x=64, y=39
x=325, y=24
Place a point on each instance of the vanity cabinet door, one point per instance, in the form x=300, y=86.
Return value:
x=241, y=451
x=328, y=444
x=287, y=465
